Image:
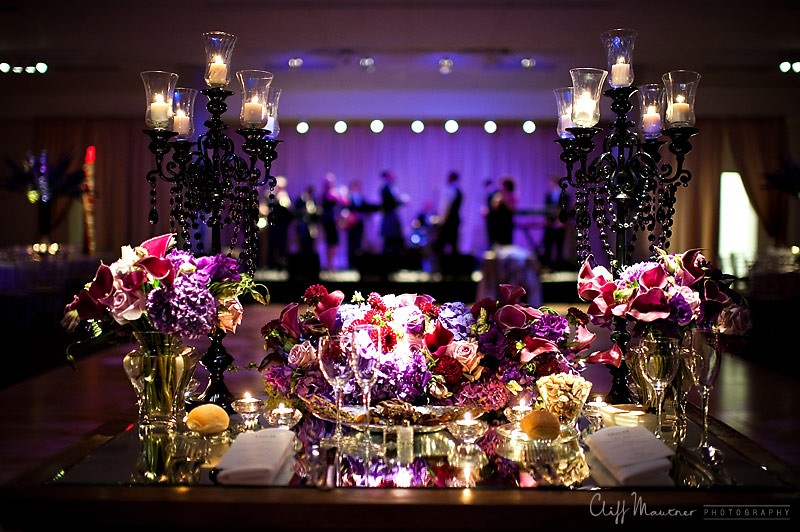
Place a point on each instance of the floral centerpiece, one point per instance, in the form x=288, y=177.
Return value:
x=668, y=295
x=153, y=288
x=433, y=354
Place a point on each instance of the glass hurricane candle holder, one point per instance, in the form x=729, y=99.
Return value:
x=515, y=413
x=651, y=107
x=680, y=87
x=255, y=88
x=159, y=88
x=219, y=50
x=586, y=88
x=183, y=112
x=273, y=99
x=619, y=50
x=564, y=109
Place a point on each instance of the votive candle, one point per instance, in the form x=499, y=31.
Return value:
x=651, y=122
x=583, y=110
x=620, y=73
x=679, y=111
x=253, y=112
x=180, y=122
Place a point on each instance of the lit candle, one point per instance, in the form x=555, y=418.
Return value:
x=583, y=110
x=159, y=109
x=253, y=112
x=678, y=111
x=467, y=421
x=651, y=122
x=620, y=73
x=565, y=121
x=180, y=125
x=282, y=416
x=218, y=72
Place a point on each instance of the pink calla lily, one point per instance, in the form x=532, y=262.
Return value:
x=158, y=245
x=289, y=319
x=649, y=306
x=438, y=340
x=536, y=346
x=591, y=280
x=510, y=294
x=612, y=355
x=510, y=317
x=158, y=268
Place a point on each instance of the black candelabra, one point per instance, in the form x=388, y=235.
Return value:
x=627, y=189
x=212, y=187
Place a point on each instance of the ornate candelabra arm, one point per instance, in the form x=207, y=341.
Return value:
x=679, y=145
x=159, y=146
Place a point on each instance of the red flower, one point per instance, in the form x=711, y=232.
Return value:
x=314, y=294
x=438, y=340
x=449, y=368
x=376, y=302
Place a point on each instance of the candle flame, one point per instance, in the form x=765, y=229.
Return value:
x=467, y=417
x=159, y=98
x=281, y=406
x=620, y=60
x=180, y=113
x=218, y=59
x=522, y=403
x=680, y=98
x=254, y=99
x=651, y=109
x=247, y=396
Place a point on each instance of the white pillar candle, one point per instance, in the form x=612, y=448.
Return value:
x=620, y=73
x=180, y=123
x=678, y=111
x=253, y=112
x=583, y=110
x=565, y=121
x=159, y=109
x=651, y=122
x=218, y=72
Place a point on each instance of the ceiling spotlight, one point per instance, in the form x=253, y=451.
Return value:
x=367, y=63
x=41, y=68
x=527, y=62
x=5, y=68
x=340, y=126
x=417, y=126
x=451, y=126
x=376, y=126
x=30, y=69
x=445, y=65
x=17, y=70
x=785, y=66
x=796, y=67
x=490, y=126
x=302, y=128
x=295, y=62
x=529, y=126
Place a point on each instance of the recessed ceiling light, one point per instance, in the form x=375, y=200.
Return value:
x=527, y=62
x=529, y=126
x=490, y=126
x=796, y=67
x=785, y=66
x=340, y=126
x=5, y=68
x=376, y=126
x=445, y=65
x=451, y=126
x=417, y=126
x=295, y=62
x=41, y=67
x=302, y=128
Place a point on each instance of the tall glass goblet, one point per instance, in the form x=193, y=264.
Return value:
x=659, y=360
x=334, y=361
x=706, y=348
x=365, y=354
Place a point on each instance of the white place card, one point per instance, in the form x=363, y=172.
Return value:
x=633, y=455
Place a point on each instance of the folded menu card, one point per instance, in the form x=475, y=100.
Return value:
x=633, y=455
x=261, y=458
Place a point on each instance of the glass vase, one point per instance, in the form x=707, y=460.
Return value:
x=160, y=370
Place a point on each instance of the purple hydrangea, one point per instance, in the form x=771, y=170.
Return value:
x=487, y=394
x=278, y=377
x=551, y=327
x=187, y=308
x=402, y=378
x=313, y=383
x=219, y=268
x=348, y=312
x=634, y=271
x=457, y=318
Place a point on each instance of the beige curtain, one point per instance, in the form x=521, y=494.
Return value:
x=758, y=147
x=697, y=208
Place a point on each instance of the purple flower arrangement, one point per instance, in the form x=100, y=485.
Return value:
x=152, y=287
x=481, y=355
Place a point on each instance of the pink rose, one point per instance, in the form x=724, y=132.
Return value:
x=230, y=315
x=125, y=306
x=466, y=354
x=302, y=355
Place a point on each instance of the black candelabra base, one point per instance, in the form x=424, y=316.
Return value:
x=619, y=394
x=216, y=360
